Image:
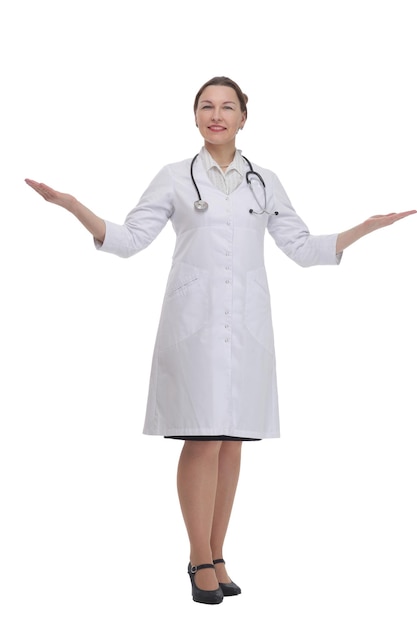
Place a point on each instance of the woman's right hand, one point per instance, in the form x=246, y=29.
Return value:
x=94, y=224
x=51, y=195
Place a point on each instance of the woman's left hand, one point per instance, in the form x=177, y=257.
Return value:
x=379, y=221
x=374, y=222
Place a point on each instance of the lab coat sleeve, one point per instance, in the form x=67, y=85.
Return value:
x=293, y=237
x=143, y=224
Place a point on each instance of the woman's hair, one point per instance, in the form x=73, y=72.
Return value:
x=224, y=82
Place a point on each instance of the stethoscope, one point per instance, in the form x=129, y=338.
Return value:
x=202, y=205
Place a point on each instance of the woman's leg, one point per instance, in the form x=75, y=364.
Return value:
x=197, y=481
x=228, y=476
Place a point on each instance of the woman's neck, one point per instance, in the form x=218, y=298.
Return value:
x=223, y=155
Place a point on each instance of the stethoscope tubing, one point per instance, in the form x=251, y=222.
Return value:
x=202, y=205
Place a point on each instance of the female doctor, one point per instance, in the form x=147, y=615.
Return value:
x=213, y=379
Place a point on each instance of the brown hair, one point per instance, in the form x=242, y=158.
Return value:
x=224, y=82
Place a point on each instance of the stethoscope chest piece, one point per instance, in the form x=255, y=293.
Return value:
x=200, y=205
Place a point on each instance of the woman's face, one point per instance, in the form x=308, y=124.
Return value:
x=218, y=115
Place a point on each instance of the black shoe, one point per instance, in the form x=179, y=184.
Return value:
x=214, y=596
x=229, y=589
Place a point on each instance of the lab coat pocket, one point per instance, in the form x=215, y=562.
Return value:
x=258, y=320
x=185, y=306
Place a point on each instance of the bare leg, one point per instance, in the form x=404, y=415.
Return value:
x=197, y=486
x=228, y=476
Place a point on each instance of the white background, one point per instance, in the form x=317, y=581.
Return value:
x=96, y=97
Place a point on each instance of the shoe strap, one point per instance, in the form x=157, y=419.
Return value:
x=218, y=561
x=196, y=568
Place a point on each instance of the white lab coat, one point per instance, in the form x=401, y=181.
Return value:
x=213, y=370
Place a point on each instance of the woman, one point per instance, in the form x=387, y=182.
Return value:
x=213, y=381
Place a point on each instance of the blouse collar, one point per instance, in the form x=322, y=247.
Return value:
x=237, y=164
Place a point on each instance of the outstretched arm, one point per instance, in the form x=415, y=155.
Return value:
x=348, y=237
x=94, y=224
